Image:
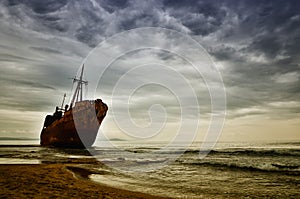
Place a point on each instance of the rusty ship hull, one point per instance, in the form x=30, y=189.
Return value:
x=76, y=127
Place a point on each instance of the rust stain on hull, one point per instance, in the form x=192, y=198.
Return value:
x=75, y=128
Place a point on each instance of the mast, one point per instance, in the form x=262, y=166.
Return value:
x=79, y=89
x=62, y=104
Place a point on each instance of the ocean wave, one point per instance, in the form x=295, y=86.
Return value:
x=233, y=152
x=250, y=152
x=280, y=168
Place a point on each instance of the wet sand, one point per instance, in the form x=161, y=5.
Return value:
x=55, y=181
x=36, y=172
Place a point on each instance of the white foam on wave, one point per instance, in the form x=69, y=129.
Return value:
x=18, y=161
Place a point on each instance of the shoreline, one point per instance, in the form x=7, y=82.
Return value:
x=37, y=172
x=56, y=180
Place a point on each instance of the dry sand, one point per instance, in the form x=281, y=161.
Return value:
x=55, y=181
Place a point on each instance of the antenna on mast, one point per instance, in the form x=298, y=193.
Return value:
x=62, y=104
x=78, y=91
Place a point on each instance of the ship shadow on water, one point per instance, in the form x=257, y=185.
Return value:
x=67, y=155
x=44, y=155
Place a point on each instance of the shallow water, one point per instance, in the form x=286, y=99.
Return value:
x=229, y=170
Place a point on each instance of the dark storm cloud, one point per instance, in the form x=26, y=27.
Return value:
x=45, y=49
x=112, y=6
x=259, y=51
x=41, y=7
x=13, y=58
x=25, y=83
x=200, y=17
x=255, y=42
x=268, y=45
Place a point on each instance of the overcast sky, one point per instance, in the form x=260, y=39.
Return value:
x=254, y=44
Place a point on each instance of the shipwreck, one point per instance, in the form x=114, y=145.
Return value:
x=75, y=125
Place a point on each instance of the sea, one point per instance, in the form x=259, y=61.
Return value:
x=230, y=169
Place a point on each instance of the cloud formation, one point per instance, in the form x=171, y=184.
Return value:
x=255, y=44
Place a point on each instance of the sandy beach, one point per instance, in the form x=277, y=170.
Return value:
x=55, y=181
